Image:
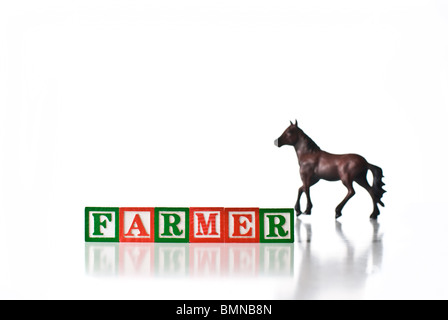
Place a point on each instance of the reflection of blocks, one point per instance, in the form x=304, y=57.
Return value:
x=101, y=224
x=196, y=259
x=171, y=224
x=101, y=259
x=243, y=259
x=276, y=225
x=207, y=259
x=277, y=259
x=136, y=224
x=242, y=224
x=171, y=259
x=207, y=225
x=136, y=259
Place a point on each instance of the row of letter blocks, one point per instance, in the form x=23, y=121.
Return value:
x=245, y=225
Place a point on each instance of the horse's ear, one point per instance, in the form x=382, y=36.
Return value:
x=290, y=122
x=295, y=123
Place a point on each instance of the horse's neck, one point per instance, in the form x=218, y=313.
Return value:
x=303, y=147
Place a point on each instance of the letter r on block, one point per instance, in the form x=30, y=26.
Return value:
x=277, y=225
x=171, y=224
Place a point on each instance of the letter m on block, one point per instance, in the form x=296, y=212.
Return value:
x=207, y=225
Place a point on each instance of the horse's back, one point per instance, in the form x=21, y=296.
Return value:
x=334, y=167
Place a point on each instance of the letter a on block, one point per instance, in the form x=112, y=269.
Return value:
x=136, y=224
x=207, y=225
x=101, y=224
x=277, y=225
x=242, y=224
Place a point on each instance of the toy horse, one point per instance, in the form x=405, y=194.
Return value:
x=316, y=164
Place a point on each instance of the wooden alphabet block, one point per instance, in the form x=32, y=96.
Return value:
x=101, y=224
x=277, y=225
x=172, y=224
x=242, y=224
x=136, y=224
x=207, y=225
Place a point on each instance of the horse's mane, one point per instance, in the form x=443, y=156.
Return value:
x=310, y=144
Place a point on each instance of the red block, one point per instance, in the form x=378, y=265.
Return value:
x=242, y=225
x=136, y=224
x=207, y=224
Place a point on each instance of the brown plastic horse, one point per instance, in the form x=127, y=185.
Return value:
x=316, y=164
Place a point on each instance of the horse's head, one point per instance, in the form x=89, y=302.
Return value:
x=289, y=136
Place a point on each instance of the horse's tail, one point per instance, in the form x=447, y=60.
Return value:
x=378, y=183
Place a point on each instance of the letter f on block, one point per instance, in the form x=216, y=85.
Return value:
x=98, y=223
x=101, y=224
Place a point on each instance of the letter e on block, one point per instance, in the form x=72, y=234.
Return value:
x=101, y=224
x=136, y=224
x=242, y=224
x=277, y=225
x=207, y=225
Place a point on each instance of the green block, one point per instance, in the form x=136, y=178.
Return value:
x=172, y=224
x=101, y=224
x=277, y=225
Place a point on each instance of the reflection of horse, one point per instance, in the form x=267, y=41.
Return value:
x=316, y=164
x=323, y=275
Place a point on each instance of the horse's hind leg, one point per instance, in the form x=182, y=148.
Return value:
x=350, y=193
x=362, y=181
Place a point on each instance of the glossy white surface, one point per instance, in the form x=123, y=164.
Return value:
x=360, y=259
x=403, y=258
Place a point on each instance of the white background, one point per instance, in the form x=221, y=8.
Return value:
x=177, y=103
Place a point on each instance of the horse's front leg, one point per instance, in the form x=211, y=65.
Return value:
x=308, y=179
x=309, y=205
x=297, y=206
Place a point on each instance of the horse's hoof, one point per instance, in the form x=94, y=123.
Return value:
x=374, y=215
x=298, y=213
x=338, y=215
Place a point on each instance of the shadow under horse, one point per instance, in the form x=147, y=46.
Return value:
x=316, y=164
